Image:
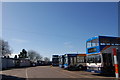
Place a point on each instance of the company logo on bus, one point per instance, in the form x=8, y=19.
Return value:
x=92, y=50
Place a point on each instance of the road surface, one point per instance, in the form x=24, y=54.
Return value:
x=50, y=73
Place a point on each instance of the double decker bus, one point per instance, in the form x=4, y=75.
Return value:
x=99, y=54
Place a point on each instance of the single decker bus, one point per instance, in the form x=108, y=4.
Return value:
x=61, y=61
x=55, y=60
x=75, y=61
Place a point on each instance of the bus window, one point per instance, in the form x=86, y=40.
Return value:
x=97, y=58
x=85, y=59
x=75, y=60
x=104, y=41
x=95, y=42
x=66, y=60
x=109, y=41
x=80, y=59
x=92, y=43
x=94, y=59
x=71, y=60
x=89, y=44
x=90, y=59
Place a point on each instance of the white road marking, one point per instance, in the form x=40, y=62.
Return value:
x=26, y=74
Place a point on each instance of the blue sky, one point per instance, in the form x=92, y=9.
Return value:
x=56, y=27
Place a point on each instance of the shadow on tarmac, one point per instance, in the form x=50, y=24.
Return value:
x=8, y=77
x=13, y=68
x=105, y=75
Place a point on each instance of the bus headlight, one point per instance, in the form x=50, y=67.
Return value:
x=87, y=67
x=99, y=68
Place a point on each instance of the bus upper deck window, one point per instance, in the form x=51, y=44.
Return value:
x=109, y=44
x=106, y=41
x=88, y=44
x=102, y=44
x=95, y=42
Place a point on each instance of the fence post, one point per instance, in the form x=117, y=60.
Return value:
x=115, y=62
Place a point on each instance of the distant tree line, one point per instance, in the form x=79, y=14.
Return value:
x=32, y=55
x=5, y=51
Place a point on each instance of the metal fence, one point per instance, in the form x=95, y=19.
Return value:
x=12, y=63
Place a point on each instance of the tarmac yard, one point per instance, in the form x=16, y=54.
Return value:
x=50, y=73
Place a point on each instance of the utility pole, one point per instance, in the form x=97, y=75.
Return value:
x=119, y=18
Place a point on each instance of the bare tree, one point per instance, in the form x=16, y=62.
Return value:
x=46, y=59
x=39, y=57
x=34, y=56
x=4, y=48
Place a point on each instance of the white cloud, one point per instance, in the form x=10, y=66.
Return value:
x=68, y=45
x=19, y=40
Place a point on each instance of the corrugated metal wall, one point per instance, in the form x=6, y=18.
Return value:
x=8, y=63
x=11, y=63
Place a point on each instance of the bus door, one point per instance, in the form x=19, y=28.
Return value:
x=108, y=62
x=73, y=60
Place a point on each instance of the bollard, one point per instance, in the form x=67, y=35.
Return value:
x=51, y=66
x=115, y=62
